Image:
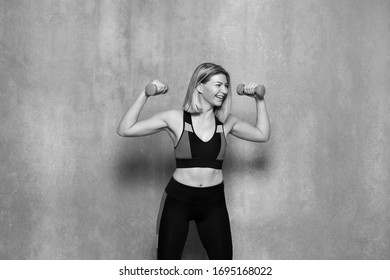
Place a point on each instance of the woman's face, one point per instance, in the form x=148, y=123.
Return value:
x=215, y=90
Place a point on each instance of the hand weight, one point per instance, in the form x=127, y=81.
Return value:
x=259, y=90
x=151, y=89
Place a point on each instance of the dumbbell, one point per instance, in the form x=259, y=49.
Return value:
x=259, y=90
x=151, y=89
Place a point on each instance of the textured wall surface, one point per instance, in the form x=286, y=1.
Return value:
x=71, y=188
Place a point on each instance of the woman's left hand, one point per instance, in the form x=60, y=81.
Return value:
x=250, y=88
x=255, y=90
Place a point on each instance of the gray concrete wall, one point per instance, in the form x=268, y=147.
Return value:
x=71, y=188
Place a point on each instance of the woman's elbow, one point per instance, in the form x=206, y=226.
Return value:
x=121, y=132
x=266, y=139
x=263, y=137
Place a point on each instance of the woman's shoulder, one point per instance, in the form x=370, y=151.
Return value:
x=170, y=113
x=174, y=113
x=230, y=121
x=172, y=117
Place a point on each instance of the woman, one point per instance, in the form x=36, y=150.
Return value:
x=199, y=131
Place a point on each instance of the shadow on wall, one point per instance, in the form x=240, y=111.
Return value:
x=134, y=164
x=236, y=161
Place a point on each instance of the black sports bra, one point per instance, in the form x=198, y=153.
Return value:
x=191, y=151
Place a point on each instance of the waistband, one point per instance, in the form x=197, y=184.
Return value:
x=198, y=162
x=194, y=194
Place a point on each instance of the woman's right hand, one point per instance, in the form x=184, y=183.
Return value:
x=155, y=88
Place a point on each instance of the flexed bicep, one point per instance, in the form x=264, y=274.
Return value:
x=248, y=132
x=149, y=126
x=260, y=132
x=130, y=126
x=145, y=127
x=244, y=130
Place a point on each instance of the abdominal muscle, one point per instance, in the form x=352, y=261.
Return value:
x=198, y=176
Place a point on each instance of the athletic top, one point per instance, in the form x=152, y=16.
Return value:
x=191, y=151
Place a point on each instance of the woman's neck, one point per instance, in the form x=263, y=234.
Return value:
x=208, y=110
x=207, y=113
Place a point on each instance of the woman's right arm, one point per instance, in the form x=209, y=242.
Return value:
x=131, y=127
x=169, y=121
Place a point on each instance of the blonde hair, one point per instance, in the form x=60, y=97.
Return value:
x=202, y=75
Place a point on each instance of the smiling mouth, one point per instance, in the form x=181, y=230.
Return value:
x=222, y=97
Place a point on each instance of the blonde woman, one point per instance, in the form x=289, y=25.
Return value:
x=199, y=132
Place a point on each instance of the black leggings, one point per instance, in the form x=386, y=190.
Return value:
x=207, y=207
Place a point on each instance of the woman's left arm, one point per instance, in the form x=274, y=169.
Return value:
x=260, y=132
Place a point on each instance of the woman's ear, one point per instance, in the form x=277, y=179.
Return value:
x=200, y=88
